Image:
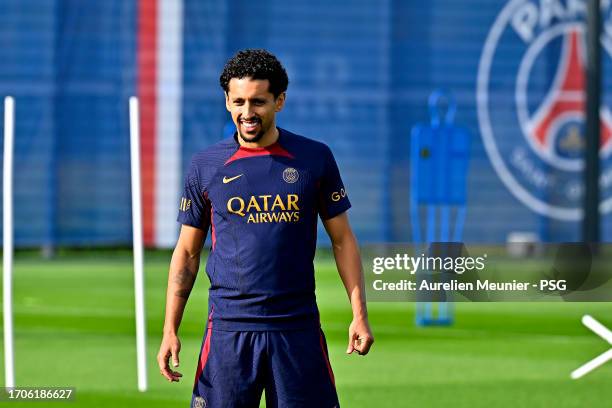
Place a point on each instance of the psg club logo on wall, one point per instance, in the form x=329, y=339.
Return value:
x=531, y=100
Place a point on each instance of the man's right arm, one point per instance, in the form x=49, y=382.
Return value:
x=181, y=278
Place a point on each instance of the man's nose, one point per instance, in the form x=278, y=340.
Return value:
x=247, y=110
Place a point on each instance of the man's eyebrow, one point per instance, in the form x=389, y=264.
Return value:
x=255, y=98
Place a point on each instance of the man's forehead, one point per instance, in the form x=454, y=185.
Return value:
x=248, y=84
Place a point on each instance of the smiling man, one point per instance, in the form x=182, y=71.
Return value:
x=261, y=193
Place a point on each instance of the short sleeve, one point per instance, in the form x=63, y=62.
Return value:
x=194, y=206
x=333, y=199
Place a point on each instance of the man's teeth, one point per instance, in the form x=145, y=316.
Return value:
x=249, y=124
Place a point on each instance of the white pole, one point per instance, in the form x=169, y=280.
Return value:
x=7, y=261
x=137, y=244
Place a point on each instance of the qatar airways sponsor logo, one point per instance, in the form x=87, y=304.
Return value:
x=266, y=208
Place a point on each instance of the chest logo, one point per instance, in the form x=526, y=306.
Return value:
x=266, y=208
x=290, y=175
x=230, y=179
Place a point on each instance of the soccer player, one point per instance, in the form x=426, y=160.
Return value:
x=260, y=193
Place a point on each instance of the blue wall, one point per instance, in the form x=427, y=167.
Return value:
x=360, y=75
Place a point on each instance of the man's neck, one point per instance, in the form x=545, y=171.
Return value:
x=269, y=138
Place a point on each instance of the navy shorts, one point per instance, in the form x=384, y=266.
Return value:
x=292, y=366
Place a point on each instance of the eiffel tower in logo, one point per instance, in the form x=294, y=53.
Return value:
x=564, y=104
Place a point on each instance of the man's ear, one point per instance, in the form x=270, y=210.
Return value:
x=227, y=101
x=280, y=102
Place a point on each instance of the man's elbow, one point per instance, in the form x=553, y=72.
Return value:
x=186, y=252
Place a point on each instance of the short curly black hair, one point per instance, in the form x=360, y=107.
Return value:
x=256, y=64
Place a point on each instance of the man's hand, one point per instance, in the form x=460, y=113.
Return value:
x=360, y=337
x=170, y=347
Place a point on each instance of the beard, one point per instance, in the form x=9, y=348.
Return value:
x=251, y=138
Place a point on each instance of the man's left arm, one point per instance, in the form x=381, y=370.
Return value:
x=348, y=261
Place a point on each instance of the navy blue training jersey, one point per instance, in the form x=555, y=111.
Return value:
x=262, y=206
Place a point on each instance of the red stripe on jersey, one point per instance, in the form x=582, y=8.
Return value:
x=147, y=93
x=212, y=228
x=205, y=351
x=326, y=358
x=246, y=152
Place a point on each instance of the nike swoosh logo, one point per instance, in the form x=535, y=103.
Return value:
x=230, y=179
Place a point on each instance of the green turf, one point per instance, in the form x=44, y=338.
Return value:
x=74, y=326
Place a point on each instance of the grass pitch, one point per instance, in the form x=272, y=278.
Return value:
x=74, y=326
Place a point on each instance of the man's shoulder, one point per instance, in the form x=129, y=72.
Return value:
x=214, y=155
x=304, y=144
x=207, y=162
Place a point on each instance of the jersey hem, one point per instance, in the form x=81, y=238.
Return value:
x=224, y=325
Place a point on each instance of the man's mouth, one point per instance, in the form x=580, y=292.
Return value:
x=250, y=125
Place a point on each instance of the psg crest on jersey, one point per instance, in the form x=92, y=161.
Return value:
x=290, y=175
x=199, y=402
x=530, y=96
